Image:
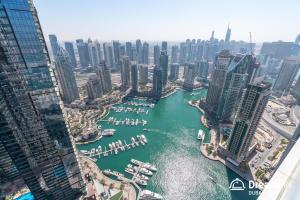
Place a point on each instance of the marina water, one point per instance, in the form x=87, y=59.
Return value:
x=183, y=173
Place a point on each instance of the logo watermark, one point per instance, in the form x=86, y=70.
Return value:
x=239, y=185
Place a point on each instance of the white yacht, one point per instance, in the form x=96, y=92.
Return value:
x=145, y=165
x=149, y=195
x=108, y=132
x=200, y=135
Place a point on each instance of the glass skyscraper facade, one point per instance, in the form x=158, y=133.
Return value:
x=41, y=138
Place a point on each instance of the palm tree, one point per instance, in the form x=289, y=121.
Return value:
x=102, y=181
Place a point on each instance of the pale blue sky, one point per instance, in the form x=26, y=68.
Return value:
x=172, y=20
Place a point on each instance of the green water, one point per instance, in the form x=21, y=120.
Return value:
x=183, y=173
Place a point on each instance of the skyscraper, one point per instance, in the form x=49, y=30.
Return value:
x=134, y=79
x=297, y=40
x=116, y=49
x=65, y=76
x=42, y=149
x=212, y=37
x=228, y=34
x=217, y=81
x=182, y=53
x=143, y=74
x=174, y=54
x=125, y=72
x=296, y=91
x=139, y=51
x=70, y=49
x=54, y=44
x=240, y=70
x=110, y=55
x=286, y=76
x=145, y=58
x=103, y=74
x=203, y=69
x=122, y=51
x=174, y=71
x=164, y=46
x=189, y=77
x=93, y=88
x=156, y=54
x=163, y=64
x=128, y=46
x=83, y=52
x=93, y=54
x=157, y=83
x=98, y=46
x=249, y=114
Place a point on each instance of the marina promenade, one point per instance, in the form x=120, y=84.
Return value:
x=90, y=167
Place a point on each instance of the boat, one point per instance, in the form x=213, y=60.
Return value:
x=143, y=171
x=108, y=132
x=130, y=166
x=84, y=151
x=143, y=177
x=140, y=181
x=149, y=195
x=145, y=165
x=107, y=172
x=132, y=140
x=129, y=171
x=110, y=147
x=144, y=139
x=94, y=159
x=200, y=135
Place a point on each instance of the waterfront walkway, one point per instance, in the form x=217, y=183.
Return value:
x=89, y=166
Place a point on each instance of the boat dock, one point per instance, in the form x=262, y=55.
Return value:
x=115, y=147
x=130, y=110
x=126, y=121
x=132, y=103
x=138, y=170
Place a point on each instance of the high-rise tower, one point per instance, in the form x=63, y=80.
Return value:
x=286, y=76
x=218, y=79
x=35, y=136
x=156, y=54
x=65, y=76
x=249, y=114
x=70, y=49
x=54, y=44
x=239, y=73
x=134, y=79
x=125, y=72
x=163, y=64
x=157, y=83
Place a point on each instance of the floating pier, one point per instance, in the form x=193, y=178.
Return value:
x=132, y=103
x=115, y=147
x=126, y=121
x=130, y=110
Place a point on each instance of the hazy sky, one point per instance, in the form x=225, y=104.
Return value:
x=172, y=20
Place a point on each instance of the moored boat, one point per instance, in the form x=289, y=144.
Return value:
x=149, y=195
x=145, y=165
x=200, y=135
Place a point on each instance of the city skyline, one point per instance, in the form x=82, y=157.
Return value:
x=176, y=20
